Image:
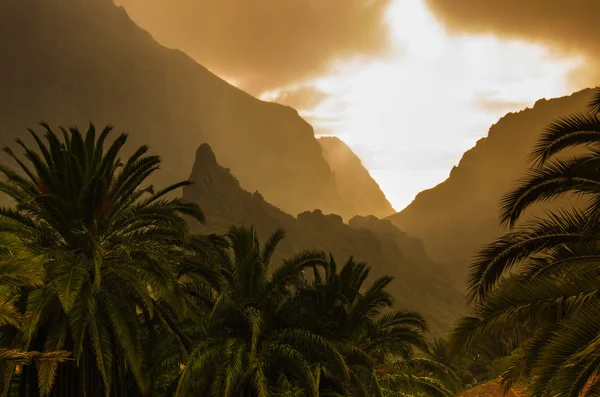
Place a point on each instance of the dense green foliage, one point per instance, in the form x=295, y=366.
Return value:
x=541, y=280
x=105, y=291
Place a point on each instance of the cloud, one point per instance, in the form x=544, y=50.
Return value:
x=568, y=25
x=265, y=44
x=305, y=97
x=495, y=106
x=491, y=102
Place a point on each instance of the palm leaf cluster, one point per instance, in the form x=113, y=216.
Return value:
x=543, y=276
x=19, y=269
x=272, y=330
x=376, y=342
x=106, y=244
x=105, y=291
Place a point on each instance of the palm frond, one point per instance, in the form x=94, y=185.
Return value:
x=594, y=105
x=576, y=130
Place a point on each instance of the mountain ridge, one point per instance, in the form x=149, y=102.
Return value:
x=353, y=179
x=79, y=61
x=459, y=215
x=419, y=284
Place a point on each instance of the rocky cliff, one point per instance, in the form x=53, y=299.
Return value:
x=354, y=183
x=70, y=62
x=455, y=218
x=419, y=283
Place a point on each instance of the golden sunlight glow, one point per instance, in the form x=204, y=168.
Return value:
x=412, y=114
x=234, y=82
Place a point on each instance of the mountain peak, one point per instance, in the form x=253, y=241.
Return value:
x=216, y=190
x=205, y=155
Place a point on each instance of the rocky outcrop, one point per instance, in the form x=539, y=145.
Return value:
x=419, y=284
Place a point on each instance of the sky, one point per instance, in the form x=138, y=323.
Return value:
x=409, y=85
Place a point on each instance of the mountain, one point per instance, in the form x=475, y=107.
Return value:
x=457, y=217
x=353, y=181
x=419, y=284
x=68, y=62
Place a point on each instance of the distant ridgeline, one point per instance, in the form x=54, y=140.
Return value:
x=72, y=61
x=419, y=284
x=457, y=217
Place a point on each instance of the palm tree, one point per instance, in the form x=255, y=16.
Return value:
x=544, y=275
x=18, y=269
x=243, y=349
x=440, y=352
x=107, y=245
x=377, y=343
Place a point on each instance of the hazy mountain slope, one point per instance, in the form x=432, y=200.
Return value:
x=353, y=181
x=420, y=284
x=72, y=61
x=455, y=218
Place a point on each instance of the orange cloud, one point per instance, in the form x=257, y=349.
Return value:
x=568, y=25
x=266, y=44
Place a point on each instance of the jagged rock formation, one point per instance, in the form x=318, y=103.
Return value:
x=419, y=283
x=355, y=184
x=72, y=61
x=455, y=218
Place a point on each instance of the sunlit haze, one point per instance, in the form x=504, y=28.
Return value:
x=411, y=114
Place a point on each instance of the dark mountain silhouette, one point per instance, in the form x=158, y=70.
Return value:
x=420, y=284
x=353, y=181
x=457, y=217
x=72, y=61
